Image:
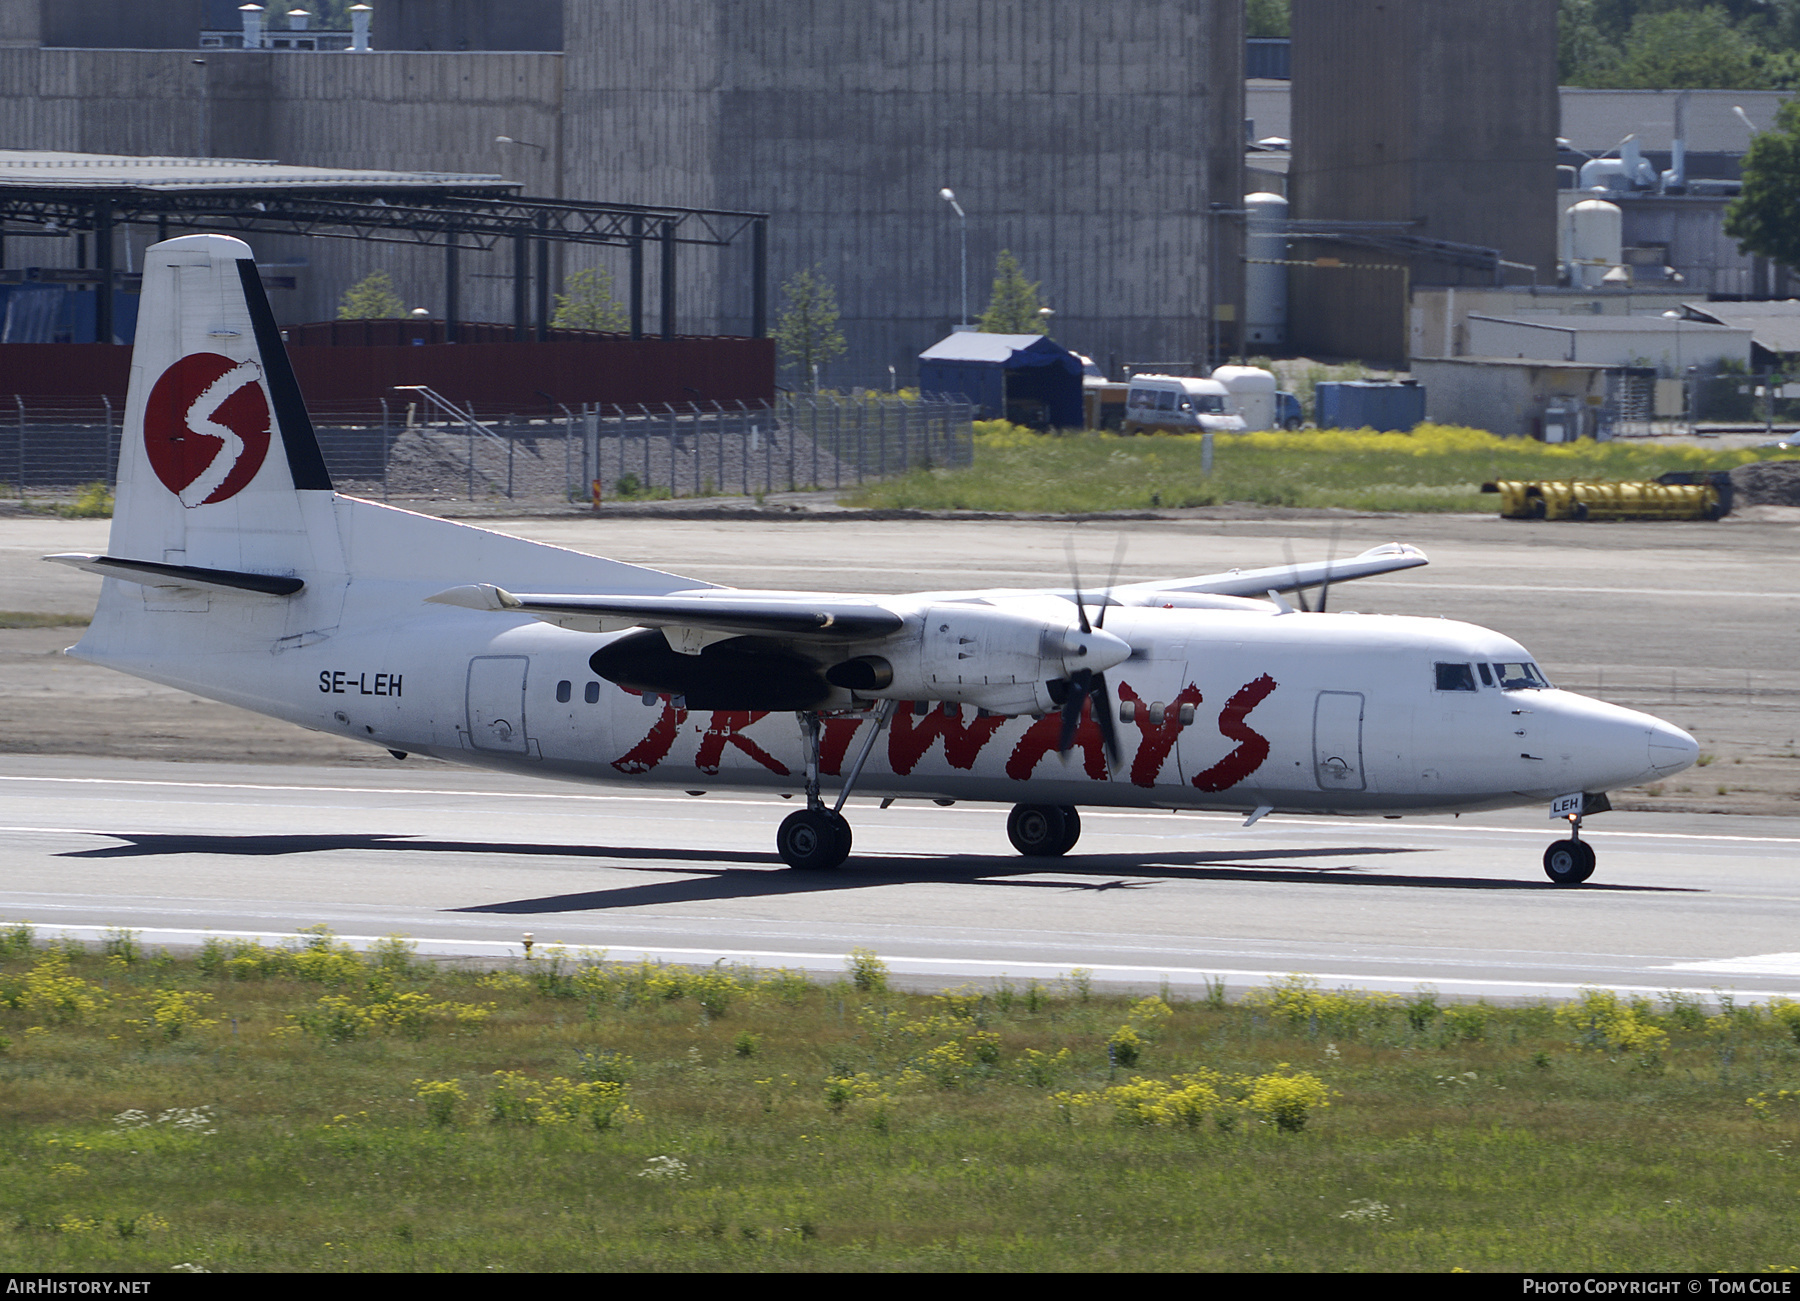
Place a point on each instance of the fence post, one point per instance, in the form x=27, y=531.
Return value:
x=106, y=450
x=19, y=469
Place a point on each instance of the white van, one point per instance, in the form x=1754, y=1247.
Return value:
x=1174, y=404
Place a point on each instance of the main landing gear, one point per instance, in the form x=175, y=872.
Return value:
x=1043, y=830
x=816, y=838
x=1571, y=861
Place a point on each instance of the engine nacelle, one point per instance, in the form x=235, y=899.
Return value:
x=995, y=659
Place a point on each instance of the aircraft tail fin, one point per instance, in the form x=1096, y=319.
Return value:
x=217, y=445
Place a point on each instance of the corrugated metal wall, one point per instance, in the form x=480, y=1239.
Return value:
x=1088, y=139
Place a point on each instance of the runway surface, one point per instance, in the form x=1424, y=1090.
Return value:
x=468, y=863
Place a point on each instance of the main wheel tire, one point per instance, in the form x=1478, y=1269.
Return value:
x=1071, y=827
x=1569, y=862
x=1041, y=830
x=1587, y=859
x=813, y=839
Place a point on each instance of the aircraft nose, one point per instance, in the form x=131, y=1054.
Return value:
x=1671, y=749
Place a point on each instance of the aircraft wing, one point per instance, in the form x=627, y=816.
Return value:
x=735, y=614
x=1384, y=559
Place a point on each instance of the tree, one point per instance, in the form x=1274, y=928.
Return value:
x=1014, y=306
x=1688, y=49
x=1266, y=18
x=371, y=299
x=806, y=332
x=589, y=304
x=1765, y=217
x=1678, y=44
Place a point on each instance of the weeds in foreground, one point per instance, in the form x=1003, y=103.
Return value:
x=1434, y=468
x=301, y=1106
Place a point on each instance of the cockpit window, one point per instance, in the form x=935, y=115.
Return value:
x=1487, y=679
x=1455, y=677
x=1521, y=677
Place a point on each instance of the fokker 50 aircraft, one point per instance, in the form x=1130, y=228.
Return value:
x=235, y=571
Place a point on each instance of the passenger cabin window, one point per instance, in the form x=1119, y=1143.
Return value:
x=1455, y=677
x=592, y=694
x=1165, y=401
x=562, y=692
x=1521, y=677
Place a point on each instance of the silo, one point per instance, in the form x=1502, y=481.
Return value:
x=1596, y=241
x=1265, y=278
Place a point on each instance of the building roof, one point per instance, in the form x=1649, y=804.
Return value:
x=1597, y=120
x=1774, y=326
x=1580, y=323
x=971, y=345
x=44, y=169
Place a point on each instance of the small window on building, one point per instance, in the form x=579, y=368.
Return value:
x=1455, y=677
x=562, y=692
x=592, y=694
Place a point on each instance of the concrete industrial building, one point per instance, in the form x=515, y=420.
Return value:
x=1090, y=140
x=1439, y=118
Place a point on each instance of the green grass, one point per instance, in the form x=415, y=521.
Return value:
x=1435, y=468
x=38, y=619
x=302, y=1108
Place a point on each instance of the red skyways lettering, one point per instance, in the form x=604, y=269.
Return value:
x=1041, y=739
x=912, y=736
x=725, y=728
x=1156, y=739
x=1252, y=748
x=909, y=737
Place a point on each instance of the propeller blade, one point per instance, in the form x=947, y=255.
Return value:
x=1080, y=681
x=1103, y=715
x=1294, y=574
x=1112, y=580
x=1330, y=556
x=1075, y=581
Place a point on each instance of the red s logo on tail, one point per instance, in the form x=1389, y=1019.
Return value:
x=207, y=427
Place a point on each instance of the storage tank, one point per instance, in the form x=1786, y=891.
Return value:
x=1265, y=280
x=1596, y=241
x=1252, y=391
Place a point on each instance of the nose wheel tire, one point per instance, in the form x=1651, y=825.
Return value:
x=1569, y=862
x=813, y=839
x=1043, y=830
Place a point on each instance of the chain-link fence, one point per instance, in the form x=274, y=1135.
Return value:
x=51, y=447
x=1766, y=398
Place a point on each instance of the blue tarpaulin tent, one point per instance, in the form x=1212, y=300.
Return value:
x=1025, y=378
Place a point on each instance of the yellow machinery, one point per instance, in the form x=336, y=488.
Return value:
x=1579, y=499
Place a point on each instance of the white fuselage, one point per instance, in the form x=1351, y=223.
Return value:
x=1218, y=709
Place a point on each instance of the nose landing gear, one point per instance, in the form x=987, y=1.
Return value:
x=1571, y=861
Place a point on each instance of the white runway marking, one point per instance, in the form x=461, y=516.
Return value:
x=1763, y=964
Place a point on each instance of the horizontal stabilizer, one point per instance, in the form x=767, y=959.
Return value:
x=735, y=614
x=152, y=573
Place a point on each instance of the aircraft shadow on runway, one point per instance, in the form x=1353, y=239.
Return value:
x=742, y=874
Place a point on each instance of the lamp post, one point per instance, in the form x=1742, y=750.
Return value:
x=949, y=196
